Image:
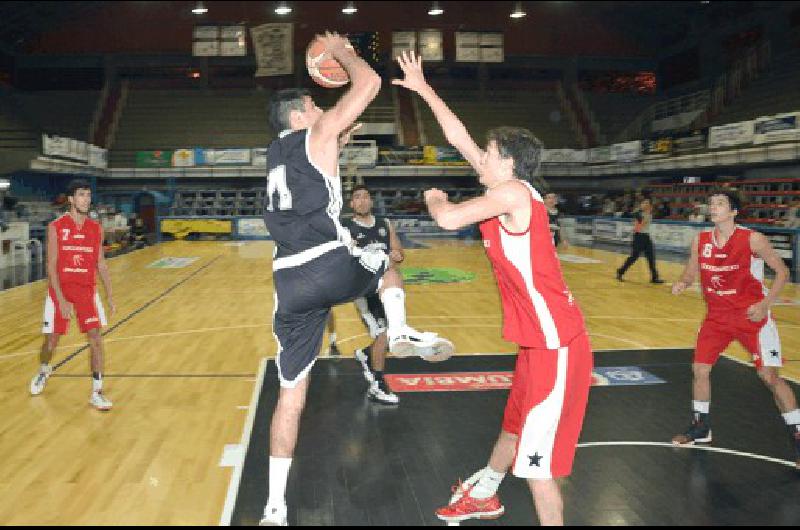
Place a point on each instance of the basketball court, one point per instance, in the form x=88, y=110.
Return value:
x=189, y=365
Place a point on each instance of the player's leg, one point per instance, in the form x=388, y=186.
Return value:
x=54, y=325
x=373, y=357
x=333, y=350
x=548, y=502
x=91, y=318
x=713, y=338
x=299, y=338
x=763, y=342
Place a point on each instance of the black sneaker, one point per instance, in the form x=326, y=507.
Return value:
x=619, y=276
x=363, y=359
x=380, y=392
x=333, y=351
x=657, y=280
x=698, y=433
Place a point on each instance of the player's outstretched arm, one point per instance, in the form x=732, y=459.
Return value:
x=454, y=130
x=689, y=271
x=365, y=84
x=505, y=198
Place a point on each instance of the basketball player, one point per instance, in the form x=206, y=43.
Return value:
x=730, y=261
x=551, y=203
x=642, y=242
x=316, y=265
x=545, y=410
x=74, y=253
x=369, y=231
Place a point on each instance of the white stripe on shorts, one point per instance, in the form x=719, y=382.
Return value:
x=540, y=427
x=769, y=342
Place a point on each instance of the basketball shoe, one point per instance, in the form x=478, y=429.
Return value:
x=464, y=506
x=406, y=342
x=274, y=517
x=100, y=402
x=40, y=380
x=698, y=432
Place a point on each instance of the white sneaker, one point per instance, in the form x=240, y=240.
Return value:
x=379, y=391
x=361, y=357
x=39, y=381
x=100, y=402
x=406, y=341
x=274, y=517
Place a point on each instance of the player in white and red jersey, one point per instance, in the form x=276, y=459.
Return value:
x=74, y=254
x=730, y=261
x=547, y=403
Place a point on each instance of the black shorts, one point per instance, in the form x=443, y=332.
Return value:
x=372, y=314
x=304, y=296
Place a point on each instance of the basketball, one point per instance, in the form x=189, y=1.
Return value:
x=325, y=71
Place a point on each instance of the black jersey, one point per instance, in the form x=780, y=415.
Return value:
x=375, y=236
x=302, y=205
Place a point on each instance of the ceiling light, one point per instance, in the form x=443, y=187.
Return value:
x=349, y=8
x=283, y=9
x=200, y=9
x=435, y=9
x=518, y=12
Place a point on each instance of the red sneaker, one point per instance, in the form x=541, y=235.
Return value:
x=464, y=506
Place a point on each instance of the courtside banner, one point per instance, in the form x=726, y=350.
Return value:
x=481, y=381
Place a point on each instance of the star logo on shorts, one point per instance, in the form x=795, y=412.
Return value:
x=535, y=460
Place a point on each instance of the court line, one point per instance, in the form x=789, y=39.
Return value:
x=136, y=312
x=122, y=376
x=695, y=447
x=236, y=476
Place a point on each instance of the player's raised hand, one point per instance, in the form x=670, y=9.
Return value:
x=334, y=42
x=411, y=64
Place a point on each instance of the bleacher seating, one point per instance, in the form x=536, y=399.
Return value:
x=19, y=141
x=614, y=112
x=773, y=93
x=64, y=113
x=231, y=118
x=537, y=110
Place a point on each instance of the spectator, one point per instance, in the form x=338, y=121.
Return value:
x=697, y=215
x=793, y=215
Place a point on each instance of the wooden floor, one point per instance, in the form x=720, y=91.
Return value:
x=184, y=351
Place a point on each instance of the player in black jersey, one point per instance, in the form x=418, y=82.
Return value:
x=315, y=264
x=370, y=231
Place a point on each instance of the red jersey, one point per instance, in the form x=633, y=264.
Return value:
x=78, y=250
x=538, y=309
x=731, y=277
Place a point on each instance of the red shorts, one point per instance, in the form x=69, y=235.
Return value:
x=546, y=407
x=86, y=305
x=759, y=338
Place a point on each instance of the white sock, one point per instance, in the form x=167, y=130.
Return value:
x=332, y=338
x=394, y=305
x=97, y=384
x=278, y=475
x=792, y=418
x=45, y=369
x=701, y=406
x=487, y=485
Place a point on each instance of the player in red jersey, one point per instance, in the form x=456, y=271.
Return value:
x=74, y=253
x=730, y=261
x=545, y=410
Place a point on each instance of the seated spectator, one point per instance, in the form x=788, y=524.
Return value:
x=793, y=216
